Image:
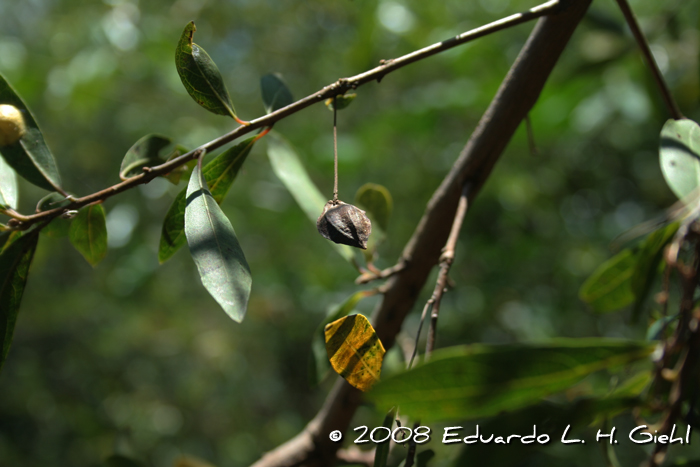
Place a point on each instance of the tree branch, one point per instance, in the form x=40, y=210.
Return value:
x=516, y=96
x=670, y=102
x=330, y=91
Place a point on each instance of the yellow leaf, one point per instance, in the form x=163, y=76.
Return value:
x=355, y=351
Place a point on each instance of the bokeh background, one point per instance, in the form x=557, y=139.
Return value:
x=135, y=357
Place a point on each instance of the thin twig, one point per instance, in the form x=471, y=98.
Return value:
x=332, y=90
x=670, y=102
x=446, y=259
x=369, y=276
x=335, y=150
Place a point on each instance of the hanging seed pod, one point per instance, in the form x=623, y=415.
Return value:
x=345, y=224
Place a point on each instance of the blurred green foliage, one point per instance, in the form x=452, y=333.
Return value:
x=136, y=358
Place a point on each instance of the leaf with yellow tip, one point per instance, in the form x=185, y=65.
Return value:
x=355, y=351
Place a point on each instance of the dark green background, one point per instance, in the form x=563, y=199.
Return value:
x=138, y=358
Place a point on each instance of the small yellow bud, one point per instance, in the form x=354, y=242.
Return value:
x=12, y=126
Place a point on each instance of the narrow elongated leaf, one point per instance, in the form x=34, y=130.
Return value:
x=9, y=191
x=14, y=269
x=376, y=200
x=381, y=454
x=318, y=361
x=275, y=92
x=219, y=174
x=215, y=249
x=201, y=76
x=144, y=153
x=469, y=382
x=609, y=288
x=30, y=156
x=649, y=258
x=679, y=155
x=88, y=233
x=289, y=169
x=355, y=351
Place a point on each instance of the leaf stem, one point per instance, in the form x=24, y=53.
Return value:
x=670, y=102
x=335, y=150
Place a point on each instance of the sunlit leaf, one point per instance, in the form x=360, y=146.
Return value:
x=9, y=191
x=289, y=169
x=15, y=259
x=318, y=361
x=144, y=153
x=201, y=76
x=88, y=233
x=609, y=288
x=219, y=174
x=648, y=260
x=215, y=249
x=29, y=156
x=680, y=156
x=381, y=454
x=476, y=381
x=275, y=92
x=376, y=200
x=355, y=351
x=341, y=101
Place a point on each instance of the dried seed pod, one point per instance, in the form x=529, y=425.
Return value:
x=345, y=224
x=12, y=126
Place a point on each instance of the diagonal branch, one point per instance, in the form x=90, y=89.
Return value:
x=330, y=91
x=516, y=96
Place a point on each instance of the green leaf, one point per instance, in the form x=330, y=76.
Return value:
x=88, y=233
x=376, y=200
x=657, y=327
x=381, y=454
x=649, y=258
x=183, y=171
x=609, y=288
x=679, y=155
x=424, y=457
x=9, y=190
x=341, y=101
x=30, y=156
x=479, y=381
x=275, y=92
x=144, y=153
x=289, y=169
x=215, y=249
x=318, y=361
x=201, y=76
x=219, y=174
x=14, y=269
x=58, y=227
